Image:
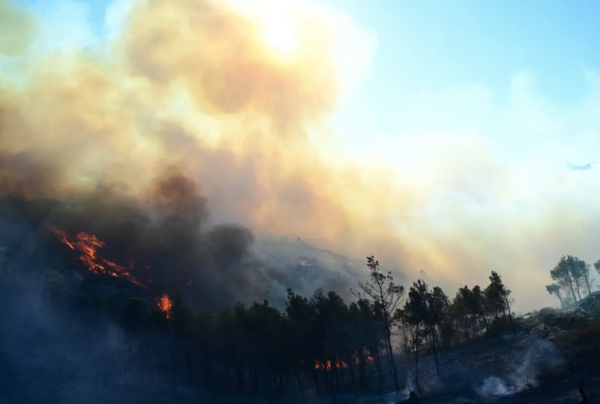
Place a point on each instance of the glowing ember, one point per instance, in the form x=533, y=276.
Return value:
x=305, y=264
x=87, y=246
x=164, y=303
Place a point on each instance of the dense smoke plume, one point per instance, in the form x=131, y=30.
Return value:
x=187, y=120
x=237, y=103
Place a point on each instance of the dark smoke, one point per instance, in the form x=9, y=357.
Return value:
x=166, y=241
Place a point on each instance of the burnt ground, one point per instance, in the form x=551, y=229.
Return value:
x=553, y=353
x=550, y=376
x=541, y=365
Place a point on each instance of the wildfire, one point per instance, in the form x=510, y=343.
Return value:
x=366, y=357
x=164, y=303
x=369, y=359
x=305, y=264
x=327, y=365
x=87, y=246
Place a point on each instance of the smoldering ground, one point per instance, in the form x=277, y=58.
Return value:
x=490, y=370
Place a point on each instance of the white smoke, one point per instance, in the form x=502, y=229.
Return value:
x=541, y=355
x=494, y=387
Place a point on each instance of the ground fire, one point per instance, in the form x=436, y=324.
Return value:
x=339, y=364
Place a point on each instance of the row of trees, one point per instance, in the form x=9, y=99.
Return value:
x=319, y=344
x=430, y=317
x=572, y=280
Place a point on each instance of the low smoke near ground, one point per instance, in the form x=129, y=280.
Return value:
x=53, y=354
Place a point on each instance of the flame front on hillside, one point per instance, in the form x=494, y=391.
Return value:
x=87, y=246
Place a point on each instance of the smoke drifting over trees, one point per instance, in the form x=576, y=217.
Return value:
x=167, y=245
x=122, y=337
x=573, y=280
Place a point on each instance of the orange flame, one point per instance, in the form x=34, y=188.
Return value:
x=87, y=246
x=327, y=365
x=365, y=354
x=164, y=303
x=369, y=359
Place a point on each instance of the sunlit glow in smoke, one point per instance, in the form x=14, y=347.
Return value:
x=278, y=28
x=239, y=97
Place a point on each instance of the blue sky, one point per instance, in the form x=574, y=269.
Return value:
x=433, y=44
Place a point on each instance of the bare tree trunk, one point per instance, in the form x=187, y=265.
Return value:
x=416, y=366
x=316, y=377
x=587, y=283
x=562, y=304
x=435, y=355
x=331, y=384
x=390, y=351
x=485, y=322
x=571, y=285
x=577, y=287
x=299, y=383
x=379, y=370
x=512, y=324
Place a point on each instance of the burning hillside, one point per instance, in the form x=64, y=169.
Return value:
x=166, y=244
x=163, y=243
x=87, y=246
x=218, y=101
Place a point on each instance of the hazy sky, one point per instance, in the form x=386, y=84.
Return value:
x=474, y=108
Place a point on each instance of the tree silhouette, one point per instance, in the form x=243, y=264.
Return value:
x=581, y=272
x=424, y=311
x=498, y=292
x=316, y=344
x=382, y=293
x=554, y=289
x=562, y=273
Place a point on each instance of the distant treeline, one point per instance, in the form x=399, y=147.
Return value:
x=572, y=280
x=316, y=345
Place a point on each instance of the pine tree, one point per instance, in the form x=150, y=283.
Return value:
x=384, y=295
